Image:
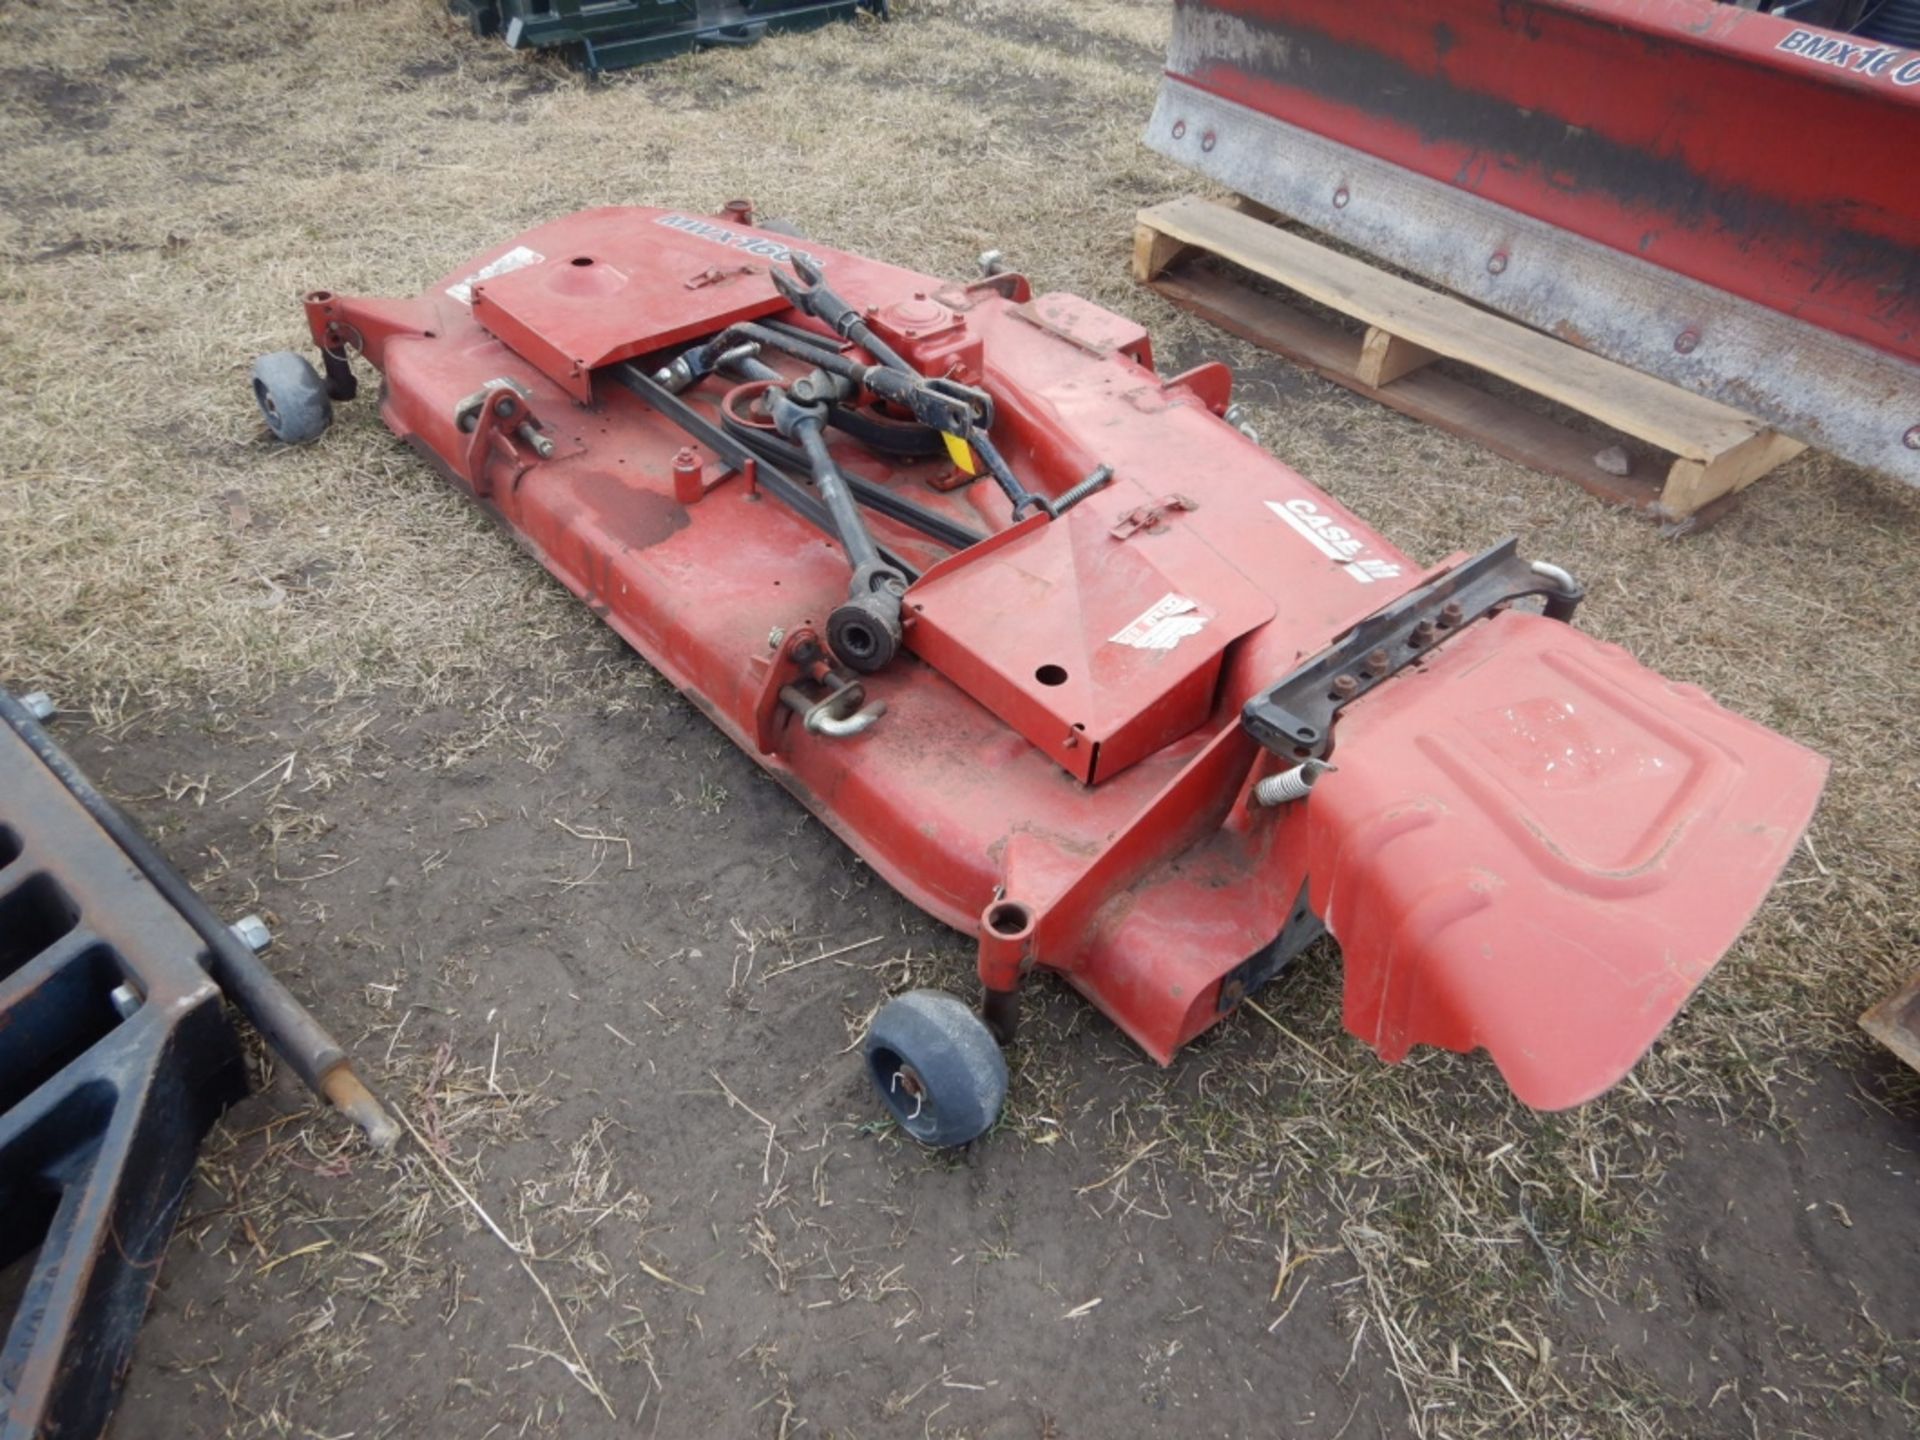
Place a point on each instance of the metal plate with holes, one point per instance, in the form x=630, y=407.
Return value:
x=115, y=1058
x=1294, y=718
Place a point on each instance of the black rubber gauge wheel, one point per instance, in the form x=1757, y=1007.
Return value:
x=292, y=397
x=937, y=1067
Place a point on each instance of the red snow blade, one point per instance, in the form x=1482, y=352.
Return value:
x=1538, y=847
x=1716, y=196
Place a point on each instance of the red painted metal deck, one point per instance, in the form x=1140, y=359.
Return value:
x=1530, y=836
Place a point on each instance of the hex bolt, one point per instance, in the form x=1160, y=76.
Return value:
x=775, y=637
x=1497, y=262
x=1422, y=635
x=688, y=483
x=542, y=446
x=1344, y=687
x=1452, y=613
x=125, y=1000
x=40, y=704
x=252, y=932
x=1686, y=341
x=1377, y=663
x=505, y=407
x=1340, y=198
x=1207, y=139
x=1912, y=438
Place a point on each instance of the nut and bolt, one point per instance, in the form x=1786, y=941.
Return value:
x=1376, y=663
x=540, y=444
x=125, y=1001
x=252, y=932
x=1422, y=635
x=1207, y=139
x=1912, y=438
x=689, y=483
x=1497, y=262
x=1452, y=613
x=1340, y=198
x=1686, y=341
x=1179, y=129
x=775, y=637
x=40, y=704
x=1344, y=687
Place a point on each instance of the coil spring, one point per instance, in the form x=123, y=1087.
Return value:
x=1290, y=785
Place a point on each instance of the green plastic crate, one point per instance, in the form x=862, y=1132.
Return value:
x=613, y=34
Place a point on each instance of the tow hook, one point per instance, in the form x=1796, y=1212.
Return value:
x=842, y=714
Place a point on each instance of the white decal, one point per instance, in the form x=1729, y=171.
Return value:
x=517, y=258
x=1162, y=625
x=1334, y=541
x=720, y=235
x=1845, y=54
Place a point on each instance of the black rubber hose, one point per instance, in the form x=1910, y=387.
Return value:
x=816, y=354
x=878, y=498
x=775, y=481
x=896, y=439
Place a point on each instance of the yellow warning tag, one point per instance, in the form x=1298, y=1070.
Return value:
x=960, y=453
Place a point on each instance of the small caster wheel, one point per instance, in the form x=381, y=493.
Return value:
x=292, y=397
x=937, y=1067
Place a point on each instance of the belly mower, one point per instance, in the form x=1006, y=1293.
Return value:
x=1072, y=662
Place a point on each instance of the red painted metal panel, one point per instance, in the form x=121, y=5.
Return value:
x=1771, y=161
x=1540, y=847
x=616, y=292
x=1054, y=639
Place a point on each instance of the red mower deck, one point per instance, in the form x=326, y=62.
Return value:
x=1094, y=735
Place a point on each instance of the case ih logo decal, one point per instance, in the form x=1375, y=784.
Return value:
x=1336, y=542
x=1875, y=60
x=720, y=235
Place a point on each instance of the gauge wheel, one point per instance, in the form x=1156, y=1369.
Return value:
x=292, y=397
x=936, y=1067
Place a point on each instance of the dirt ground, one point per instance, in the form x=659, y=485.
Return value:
x=615, y=978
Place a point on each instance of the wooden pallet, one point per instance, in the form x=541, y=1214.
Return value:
x=1707, y=451
x=1895, y=1022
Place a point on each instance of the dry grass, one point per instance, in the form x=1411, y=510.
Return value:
x=172, y=180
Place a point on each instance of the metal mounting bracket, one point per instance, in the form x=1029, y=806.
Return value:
x=1295, y=718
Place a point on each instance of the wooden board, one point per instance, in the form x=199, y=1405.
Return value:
x=1895, y=1022
x=1717, y=450
x=1385, y=357
x=1522, y=435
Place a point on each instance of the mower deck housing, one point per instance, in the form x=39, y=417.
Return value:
x=1528, y=842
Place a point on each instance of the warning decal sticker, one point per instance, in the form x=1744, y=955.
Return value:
x=1162, y=625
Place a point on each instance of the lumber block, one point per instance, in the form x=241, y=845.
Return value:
x=1716, y=450
x=1385, y=357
